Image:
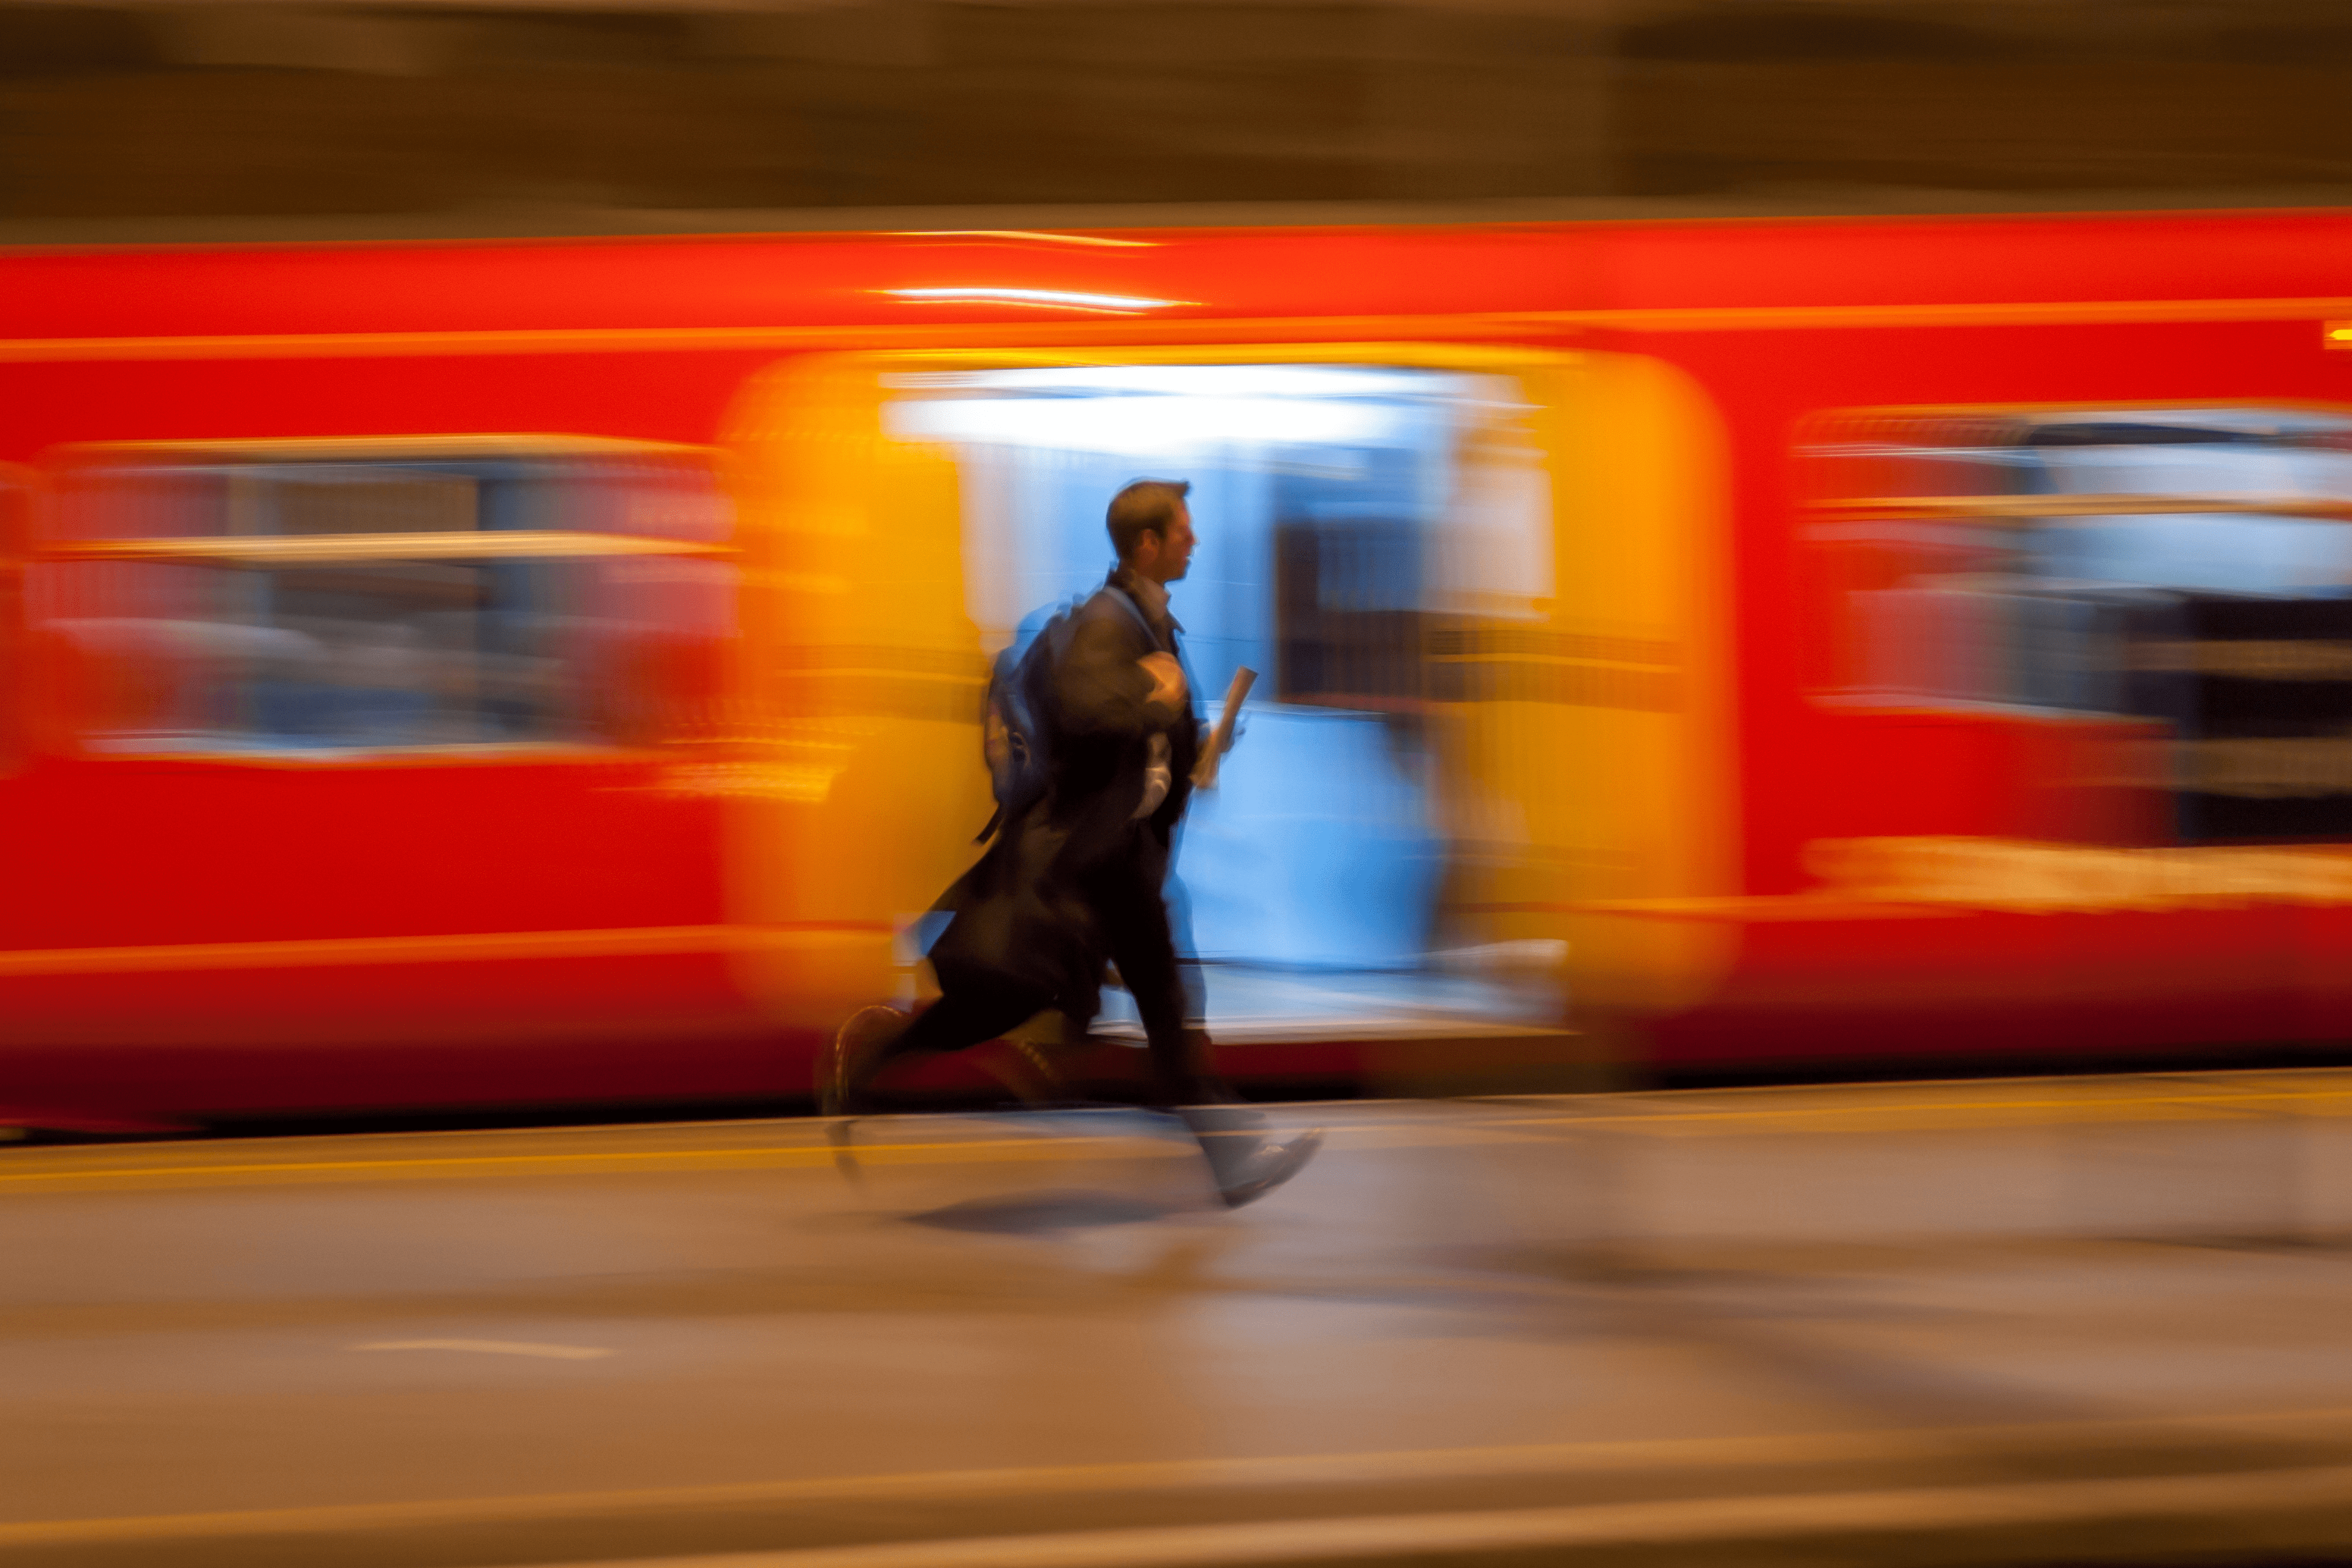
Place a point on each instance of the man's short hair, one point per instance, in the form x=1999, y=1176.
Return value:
x=1147, y=506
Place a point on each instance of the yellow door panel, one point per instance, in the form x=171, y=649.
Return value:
x=1574, y=720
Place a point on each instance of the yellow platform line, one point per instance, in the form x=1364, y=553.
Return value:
x=1055, y=1147
x=40, y=1169
x=1990, y=1113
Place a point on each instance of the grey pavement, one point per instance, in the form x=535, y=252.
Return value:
x=2098, y=1319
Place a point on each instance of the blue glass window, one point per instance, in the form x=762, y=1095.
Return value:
x=213, y=601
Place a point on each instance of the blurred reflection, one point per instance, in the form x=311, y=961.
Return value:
x=220, y=602
x=2192, y=568
x=1341, y=511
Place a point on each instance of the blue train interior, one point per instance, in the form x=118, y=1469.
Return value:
x=1308, y=881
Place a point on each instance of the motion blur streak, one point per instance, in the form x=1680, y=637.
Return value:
x=982, y=294
x=465, y=675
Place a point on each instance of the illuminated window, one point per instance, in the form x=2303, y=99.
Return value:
x=2188, y=567
x=298, y=597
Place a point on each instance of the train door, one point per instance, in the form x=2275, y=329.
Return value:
x=1473, y=582
x=1318, y=495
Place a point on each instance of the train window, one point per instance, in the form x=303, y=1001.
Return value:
x=2191, y=566
x=293, y=598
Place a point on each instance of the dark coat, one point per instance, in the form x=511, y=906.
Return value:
x=1104, y=725
x=1025, y=913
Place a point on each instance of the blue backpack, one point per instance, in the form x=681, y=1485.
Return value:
x=1017, y=721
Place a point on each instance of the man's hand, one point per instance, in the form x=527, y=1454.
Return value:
x=1167, y=678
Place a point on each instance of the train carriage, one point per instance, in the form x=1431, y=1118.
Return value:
x=490, y=674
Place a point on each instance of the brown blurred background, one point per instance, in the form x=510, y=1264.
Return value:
x=442, y=118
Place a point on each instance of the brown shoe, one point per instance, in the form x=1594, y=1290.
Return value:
x=844, y=1067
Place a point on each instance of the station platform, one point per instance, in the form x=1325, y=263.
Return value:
x=2026, y=1322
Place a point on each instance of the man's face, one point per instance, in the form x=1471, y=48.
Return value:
x=1175, y=549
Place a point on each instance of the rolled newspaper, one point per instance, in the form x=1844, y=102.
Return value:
x=1204, y=771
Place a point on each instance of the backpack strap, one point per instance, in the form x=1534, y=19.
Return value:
x=1136, y=610
x=1132, y=609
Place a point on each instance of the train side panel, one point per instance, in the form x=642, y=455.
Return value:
x=1833, y=873
x=246, y=923
x=2056, y=945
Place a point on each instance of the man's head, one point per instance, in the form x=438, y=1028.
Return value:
x=1151, y=528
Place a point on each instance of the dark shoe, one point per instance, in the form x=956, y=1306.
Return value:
x=1244, y=1162
x=844, y=1067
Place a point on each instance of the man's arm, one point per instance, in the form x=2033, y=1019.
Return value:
x=1109, y=683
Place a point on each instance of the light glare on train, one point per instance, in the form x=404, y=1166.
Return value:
x=1039, y=235
x=1141, y=425
x=1051, y=299
x=1222, y=381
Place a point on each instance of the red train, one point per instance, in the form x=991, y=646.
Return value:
x=467, y=674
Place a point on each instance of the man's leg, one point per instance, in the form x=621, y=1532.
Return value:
x=1243, y=1161
x=971, y=1011
x=1188, y=956
x=1135, y=919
